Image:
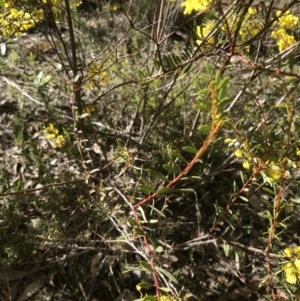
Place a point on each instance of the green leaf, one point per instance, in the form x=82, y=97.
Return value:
x=223, y=83
x=150, y=298
x=157, y=211
x=208, y=69
x=202, y=79
x=204, y=129
x=143, y=213
x=168, y=274
x=296, y=200
x=224, y=101
x=268, y=216
x=222, y=94
x=179, y=156
x=218, y=77
x=145, y=285
x=202, y=107
x=133, y=222
x=159, y=249
x=156, y=174
x=190, y=150
x=244, y=198
x=129, y=268
x=170, y=168
x=146, y=265
x=165, y=289
x=291, y=61
x=203, y=91
x=147, y=189
x=163, y=190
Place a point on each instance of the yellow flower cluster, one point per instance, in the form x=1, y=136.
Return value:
x=197, y=5
x=285, y=22
x=292, y=268
x=271, y=172
x=251, y=25
x=53, y=136
x=95, y=76
x=203, y=33
x=17, y=20
x=89, y=109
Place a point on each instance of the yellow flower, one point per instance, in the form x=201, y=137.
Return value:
x=292, y=269
x=288, y=252
x=288, y=20
x=290, y=273
x=104, y=77
x=59, y=141
x=252, y=11
x=204, y=31
x=272, y=172
x=95, y=75
x=285, y=42
x=53, y=137
x=197, y=5
x=238, y=153
x=246, y=165
x=285, y=22
x=89, y=109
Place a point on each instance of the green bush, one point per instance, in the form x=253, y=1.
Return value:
x=136, y=164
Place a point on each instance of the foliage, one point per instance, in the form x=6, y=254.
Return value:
x=135, y=162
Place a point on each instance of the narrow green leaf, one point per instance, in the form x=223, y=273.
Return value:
x=293, y=127
x=129, y=268
x=203, y=91
x=237, y=261
x=133, y=222
x=147, y=189
x=222, y=94
x=202, y=107
x=149, y=298
x=190, y=150
x=268, y=216
x=244, y=198
x=202, y=79
x=165, y=289
x=168, y=274
x=291, y=61
x=179, y=156
x=141, y=75
x=143, y=213
x=218, y=77
x=139, y=231
x=157, y=211
x=296, y=200
x=224, y=101
x=204, y=129
x=170, y=168
x=145, y=285
x=208, y=69
x=156, y=174
x=223, y=83
x=163, y=190
x=146, y=265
